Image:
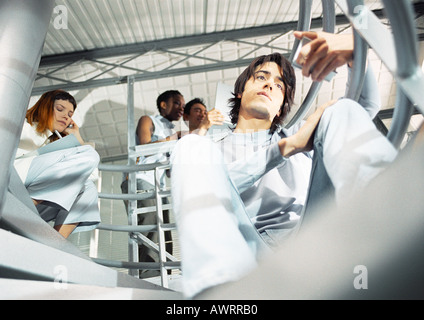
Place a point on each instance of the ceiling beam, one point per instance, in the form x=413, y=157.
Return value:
x=174, y=43
x=181, y=42
x=144, y=76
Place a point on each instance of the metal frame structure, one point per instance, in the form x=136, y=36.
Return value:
x=50, y=64
x=304, y=24
x=31, y=248
x=398, y=52
x=329, y=20
x=31, y=235
x=135, y=237
x=20, y=59
x=394, y=252
x=185, y=62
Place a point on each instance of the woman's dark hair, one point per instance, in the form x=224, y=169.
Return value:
x=289, y=80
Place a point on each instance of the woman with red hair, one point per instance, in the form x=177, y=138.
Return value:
x=58, y=181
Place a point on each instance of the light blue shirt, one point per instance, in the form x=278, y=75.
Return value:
x=274, y=189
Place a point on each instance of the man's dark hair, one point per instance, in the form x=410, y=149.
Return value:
x=165, y=96
x=191, y=103
x=289, y=80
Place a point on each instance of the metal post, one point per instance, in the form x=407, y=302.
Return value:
x=329, y=15
x=160, y=231
x=404, y=109
x=360, y=53
x=23, y=28
x=132, y=183
x=401, y=15
x=304, y=23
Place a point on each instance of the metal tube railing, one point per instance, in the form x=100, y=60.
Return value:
x=138, y=265
x=400, y=13
x=402, y=113
x=131, y=168
x=360, y=53
x=304, y=23
x=403, y=66
x=398, y=52
x=23, y=28
x=135, y=231
x=138, y=228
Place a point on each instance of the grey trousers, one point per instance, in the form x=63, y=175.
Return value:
x=61, y=180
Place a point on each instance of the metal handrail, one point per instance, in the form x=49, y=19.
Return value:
x=126, y=168
x=135, y=196
x=139, y=228
x=137, y=265
x=152, y=148
x=401, y=16
x=407, y=64
x=360, y=53
x=401, y=117
x=126, y=196
x=400, y=59
x=304, y=23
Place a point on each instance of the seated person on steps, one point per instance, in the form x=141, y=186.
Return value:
x=237, y=199
x=59, y=181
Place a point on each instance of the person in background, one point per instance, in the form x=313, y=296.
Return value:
x=199, y=120
x=59, y=182
x=154, y=129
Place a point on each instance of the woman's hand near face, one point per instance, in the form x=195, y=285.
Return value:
x=73, y=128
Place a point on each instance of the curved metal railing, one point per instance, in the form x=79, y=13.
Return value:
x=166, y=260
x=304, y=23
x=401, y=15
x=398, y=51
x=401, y=60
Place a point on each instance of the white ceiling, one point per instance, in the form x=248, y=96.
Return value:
x=188, y=45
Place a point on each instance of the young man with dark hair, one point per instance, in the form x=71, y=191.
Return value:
x=198, y=119
x=195, y=112
x=160, y=128
x=238, y=198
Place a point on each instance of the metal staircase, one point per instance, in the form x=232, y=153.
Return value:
x=36, y=261
x=30, y=250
